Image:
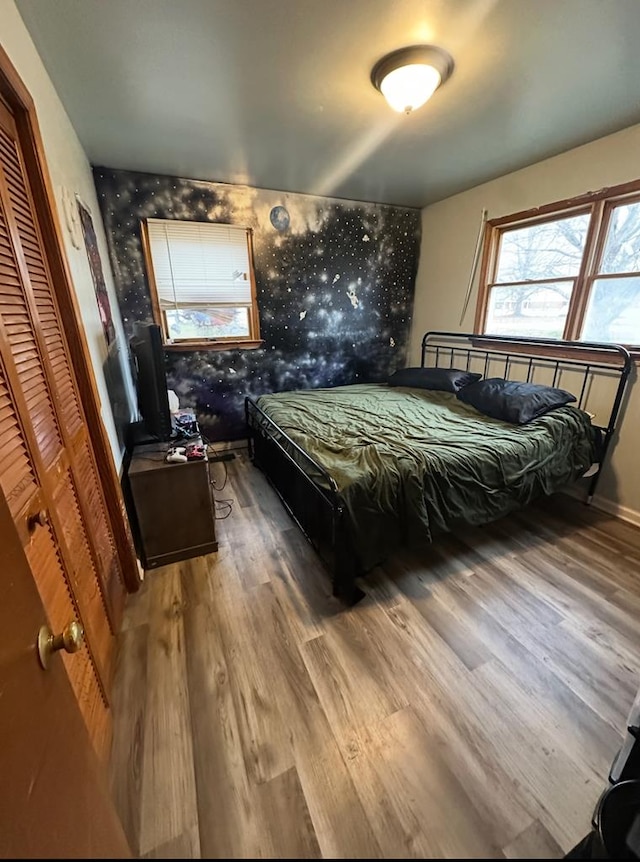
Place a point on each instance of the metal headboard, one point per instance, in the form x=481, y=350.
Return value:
x=584, y=358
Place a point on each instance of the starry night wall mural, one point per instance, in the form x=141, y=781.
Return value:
x=335, y=282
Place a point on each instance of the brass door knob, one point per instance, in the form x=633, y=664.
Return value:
x=40, y=518
x=70, y=640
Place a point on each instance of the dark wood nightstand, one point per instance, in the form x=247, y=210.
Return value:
x=174, y=506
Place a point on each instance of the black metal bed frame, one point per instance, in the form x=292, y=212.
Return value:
x=311, y=495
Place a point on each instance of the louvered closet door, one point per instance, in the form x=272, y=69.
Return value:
x=46, y=463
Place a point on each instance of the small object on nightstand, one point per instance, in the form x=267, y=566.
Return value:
x=195, y=452
x=185, y=423
x=176, y=455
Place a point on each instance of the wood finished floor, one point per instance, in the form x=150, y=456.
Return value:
x=470, y=705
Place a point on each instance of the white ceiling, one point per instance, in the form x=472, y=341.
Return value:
x=276, y=93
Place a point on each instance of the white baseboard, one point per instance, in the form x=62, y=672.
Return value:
x=616, y=509
x=631, y=516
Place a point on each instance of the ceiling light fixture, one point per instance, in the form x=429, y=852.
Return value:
x=408, y=77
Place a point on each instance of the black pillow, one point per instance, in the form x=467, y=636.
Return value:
x=443, y=379
x=513, y=401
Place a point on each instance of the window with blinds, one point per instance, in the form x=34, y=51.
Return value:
x=201, y=280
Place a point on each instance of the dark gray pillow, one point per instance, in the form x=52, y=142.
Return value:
x=513, y=401
x=443, y=379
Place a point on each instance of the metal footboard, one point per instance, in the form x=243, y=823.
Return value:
x=309, y=494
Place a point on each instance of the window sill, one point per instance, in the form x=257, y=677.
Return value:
x=182, y=346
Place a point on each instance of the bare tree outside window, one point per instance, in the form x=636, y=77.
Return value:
x=613, y=310
x=521, y=305
x=538, y=283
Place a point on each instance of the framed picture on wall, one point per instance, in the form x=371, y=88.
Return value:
x=95, y=264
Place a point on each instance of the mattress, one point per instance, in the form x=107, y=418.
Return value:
x=410, y=463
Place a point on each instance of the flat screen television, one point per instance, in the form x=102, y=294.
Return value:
x=151, y=380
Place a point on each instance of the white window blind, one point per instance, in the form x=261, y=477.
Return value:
x=196, y=263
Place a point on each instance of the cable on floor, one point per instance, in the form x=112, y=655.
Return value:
x=226, y=476
x=226, y=505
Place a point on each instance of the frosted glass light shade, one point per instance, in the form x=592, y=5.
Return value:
x=408, y=77
x=409, y=87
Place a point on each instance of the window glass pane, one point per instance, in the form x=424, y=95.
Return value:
x=552, y=249
x=613, y=313
x=532, y=310
x=201, y=322
x=622, y=248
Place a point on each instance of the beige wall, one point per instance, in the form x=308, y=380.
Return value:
x=69, y=169
x=449, y=233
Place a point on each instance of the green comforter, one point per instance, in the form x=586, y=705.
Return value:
x=410, y=463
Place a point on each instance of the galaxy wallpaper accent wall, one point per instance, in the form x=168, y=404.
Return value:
x=335, y=282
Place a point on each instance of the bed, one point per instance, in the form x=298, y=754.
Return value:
x=368, y=468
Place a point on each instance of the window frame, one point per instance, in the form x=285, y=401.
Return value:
x=600, y=205
x=250, y=342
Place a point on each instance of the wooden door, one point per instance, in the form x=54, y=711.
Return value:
x=53, y=801
x=47, y=469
